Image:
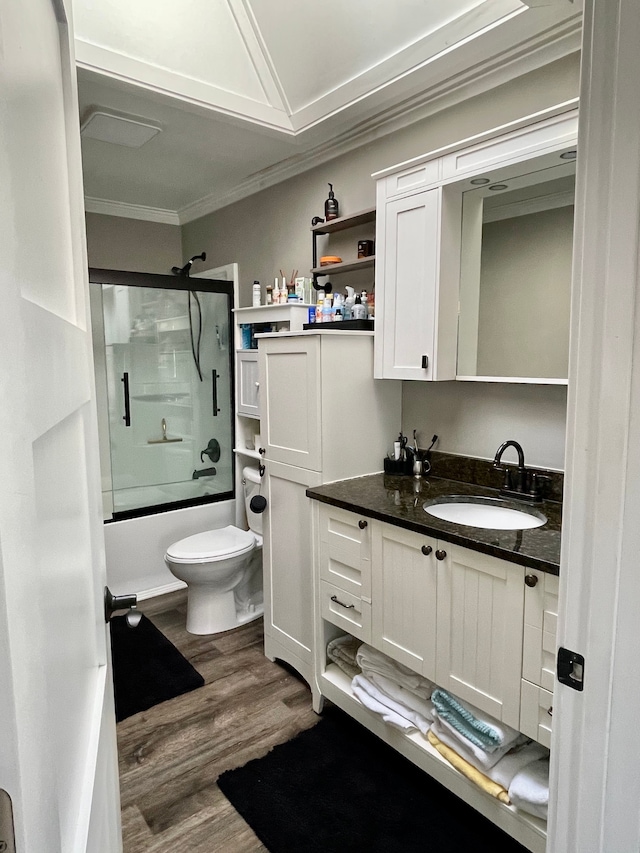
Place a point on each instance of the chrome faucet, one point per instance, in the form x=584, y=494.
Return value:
x=526, y=482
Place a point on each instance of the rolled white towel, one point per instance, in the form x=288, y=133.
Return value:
x=409, y=698
x=529, y=790
x=472, y=753
x=372, y=661
x=389, y=716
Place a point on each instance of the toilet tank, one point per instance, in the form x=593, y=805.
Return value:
x=251, y=483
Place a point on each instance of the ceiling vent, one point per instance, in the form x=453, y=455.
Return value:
x=118, y=129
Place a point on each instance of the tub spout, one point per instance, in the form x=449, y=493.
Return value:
x=203, y=472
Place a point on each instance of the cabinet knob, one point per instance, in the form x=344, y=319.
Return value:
x=426, y=550
x=362, y=524
x=531, y=580
x=441, y=555
x=550, y=711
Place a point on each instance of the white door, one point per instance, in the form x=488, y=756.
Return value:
x=57, y=747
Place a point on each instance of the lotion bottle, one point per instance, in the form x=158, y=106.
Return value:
x=359, y=310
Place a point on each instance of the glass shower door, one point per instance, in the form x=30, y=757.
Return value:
x=168, y=374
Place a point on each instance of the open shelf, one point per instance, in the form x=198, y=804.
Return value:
x=344, y=222
x=528, y=830
x=345, y=266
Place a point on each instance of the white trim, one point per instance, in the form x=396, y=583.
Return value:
x=594, y=775
x=538, y=204
x=517, y=380
x=130, y=211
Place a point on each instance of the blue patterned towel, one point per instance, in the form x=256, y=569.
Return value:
x=484, y=731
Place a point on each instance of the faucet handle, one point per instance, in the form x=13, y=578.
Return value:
x=506, y=471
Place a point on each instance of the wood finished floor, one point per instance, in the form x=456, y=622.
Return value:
x=171, y=755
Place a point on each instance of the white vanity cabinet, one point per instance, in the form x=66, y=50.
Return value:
x=323, y=417
x=539, y=655
x=451, y=614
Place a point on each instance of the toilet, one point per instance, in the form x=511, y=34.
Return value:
x=222, y=569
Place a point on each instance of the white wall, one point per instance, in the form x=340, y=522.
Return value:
x=474, y=418
x=116, y=243
x=270, y=231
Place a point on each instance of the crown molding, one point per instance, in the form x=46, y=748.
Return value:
x=556, y=43
x=130, y=211
x=562, y=41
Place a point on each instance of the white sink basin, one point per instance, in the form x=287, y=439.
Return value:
x=484, y=512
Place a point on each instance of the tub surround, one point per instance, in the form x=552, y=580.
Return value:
x=399, y=499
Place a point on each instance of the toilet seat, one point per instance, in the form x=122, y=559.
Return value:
x=212, y=545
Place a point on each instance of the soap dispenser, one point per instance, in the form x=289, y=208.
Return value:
x=348, y=303
x=331, y=210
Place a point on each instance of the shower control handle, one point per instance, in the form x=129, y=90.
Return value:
x=127, y=403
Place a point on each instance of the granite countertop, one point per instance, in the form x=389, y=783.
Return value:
x=398, y=499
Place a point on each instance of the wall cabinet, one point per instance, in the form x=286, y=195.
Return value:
x=248, y=384
x=323, y=417
x=419, y=239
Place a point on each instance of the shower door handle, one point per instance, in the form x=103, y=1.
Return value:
x=214, y=392
x=127, y=404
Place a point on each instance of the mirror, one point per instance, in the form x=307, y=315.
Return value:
x=515, y=278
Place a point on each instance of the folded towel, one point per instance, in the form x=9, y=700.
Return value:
x=516, y=760
x=408, y=698
x=362, y=683
x=529, y=790
x=387, y=714
x=469, y=770
x=342, y=651
x=480, y=758
x=481, y=729
x=371, y=661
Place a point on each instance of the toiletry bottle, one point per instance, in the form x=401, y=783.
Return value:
x=256, y=294
x=319, y=306
x=327, y=316
x=359, y=310
x=331, y=210
x=269, y=294
x=348, y=303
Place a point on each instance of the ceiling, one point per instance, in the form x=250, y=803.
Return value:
x=250, y=92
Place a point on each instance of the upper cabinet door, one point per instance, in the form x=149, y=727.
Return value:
x=289, y=369
x=408, y=261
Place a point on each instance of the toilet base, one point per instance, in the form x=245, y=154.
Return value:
x=208, y=613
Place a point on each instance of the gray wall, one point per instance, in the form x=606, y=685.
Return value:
x=269, y=231
x=116, y=243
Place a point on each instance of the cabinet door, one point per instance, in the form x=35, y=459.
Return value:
x=290, y=400
x=480, y=618
x=540, y=625
x=406, y=287
x=288, y=566
x=248, y=402
x=403, y=597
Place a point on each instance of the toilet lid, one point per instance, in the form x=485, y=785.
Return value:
x=212, y=545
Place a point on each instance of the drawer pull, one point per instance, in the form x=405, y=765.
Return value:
x=362, y=524
x=426, y=550
x=550, y=711
x=531, y=580
x=441, y=555
x=342, y=604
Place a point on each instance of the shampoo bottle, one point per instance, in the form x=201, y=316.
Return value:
x=331, y=210
x=348, y=303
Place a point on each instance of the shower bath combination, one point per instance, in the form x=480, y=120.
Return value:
x=166, y=384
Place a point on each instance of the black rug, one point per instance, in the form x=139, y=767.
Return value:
x=336, y=788
x=147, y=668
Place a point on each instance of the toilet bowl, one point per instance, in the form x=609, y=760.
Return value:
x=223, y=570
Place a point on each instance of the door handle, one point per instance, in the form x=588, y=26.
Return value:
x=112, y=603
x=214, y=392
x=127, y=403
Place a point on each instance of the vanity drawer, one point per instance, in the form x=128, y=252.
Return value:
x=345, y=610
x=345, y=550
x=536, y=708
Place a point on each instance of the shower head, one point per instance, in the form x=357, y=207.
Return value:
x=184, y=271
